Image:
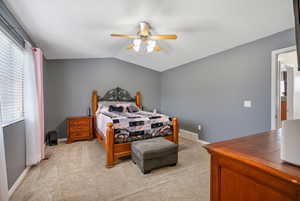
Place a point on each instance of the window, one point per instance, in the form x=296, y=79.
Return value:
x=11, y=80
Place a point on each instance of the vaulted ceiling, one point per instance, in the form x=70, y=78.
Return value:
x=68, y=29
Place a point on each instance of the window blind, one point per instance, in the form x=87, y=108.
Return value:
x=11, y=80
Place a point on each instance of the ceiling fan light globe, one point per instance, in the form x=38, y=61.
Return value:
x=137, y=42
x=150, y=48
x=151, y=43
x=136, y=48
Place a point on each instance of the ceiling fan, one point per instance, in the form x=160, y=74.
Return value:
x=145, y=38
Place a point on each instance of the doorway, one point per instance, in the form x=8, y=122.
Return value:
x=285, y=95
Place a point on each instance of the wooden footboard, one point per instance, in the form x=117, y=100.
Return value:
x=116, y=151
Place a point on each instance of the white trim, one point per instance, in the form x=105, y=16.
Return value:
x=191, y=136
x=188, y=135
x=62, y=139
x=13, y=122
x=3, y=173
x=290, y=98
x=18, y=182
x=274, y=78
x=203, y=142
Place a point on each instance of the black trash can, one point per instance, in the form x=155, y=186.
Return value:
x=52, y=138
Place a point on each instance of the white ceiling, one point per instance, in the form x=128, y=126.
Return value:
x=66, y=29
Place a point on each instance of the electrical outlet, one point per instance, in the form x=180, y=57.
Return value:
x=248, y=103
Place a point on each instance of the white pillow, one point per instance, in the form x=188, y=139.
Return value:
x=104, y=105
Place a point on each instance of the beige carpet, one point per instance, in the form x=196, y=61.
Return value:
x=76, y=172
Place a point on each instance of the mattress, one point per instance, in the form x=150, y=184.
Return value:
x=135, y=126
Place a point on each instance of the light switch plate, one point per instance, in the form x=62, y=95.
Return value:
x=247, y=103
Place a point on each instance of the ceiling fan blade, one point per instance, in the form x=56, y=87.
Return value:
x=163, y=37
x=157, y=48
x=124, y=36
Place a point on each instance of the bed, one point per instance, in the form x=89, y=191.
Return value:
x=116, y=130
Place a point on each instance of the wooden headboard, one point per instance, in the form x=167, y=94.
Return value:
x=117, y=94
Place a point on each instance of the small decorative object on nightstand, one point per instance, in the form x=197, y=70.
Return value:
x=79, y=128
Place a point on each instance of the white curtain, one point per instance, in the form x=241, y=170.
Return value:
x=31, y=110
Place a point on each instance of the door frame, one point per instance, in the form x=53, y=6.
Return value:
x=275, y=85
x=291, y=71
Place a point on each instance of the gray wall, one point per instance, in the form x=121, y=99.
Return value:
x=15, y=151
x=69, y=85
x=211, y=91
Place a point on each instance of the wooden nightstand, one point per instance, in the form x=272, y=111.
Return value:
x=79, y=128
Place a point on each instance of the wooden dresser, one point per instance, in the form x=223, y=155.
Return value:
x=249, y=168
x=79, y=128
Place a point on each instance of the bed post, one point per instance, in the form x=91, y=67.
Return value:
x=109, y=146
x=175, y=129
x=94, y=109
x=138, y=99
x=94, y=102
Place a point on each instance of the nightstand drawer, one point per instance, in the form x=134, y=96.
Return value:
x=80, y=134
x=79, y=123
x=79, y=128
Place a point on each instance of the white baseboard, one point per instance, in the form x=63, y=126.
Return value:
x=188, y=135
x=18, y=182
x=191, y=136
x=62, y=139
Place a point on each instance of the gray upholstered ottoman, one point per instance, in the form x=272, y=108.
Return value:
x=154, y=153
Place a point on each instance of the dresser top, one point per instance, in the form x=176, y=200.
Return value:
x=261, y=151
